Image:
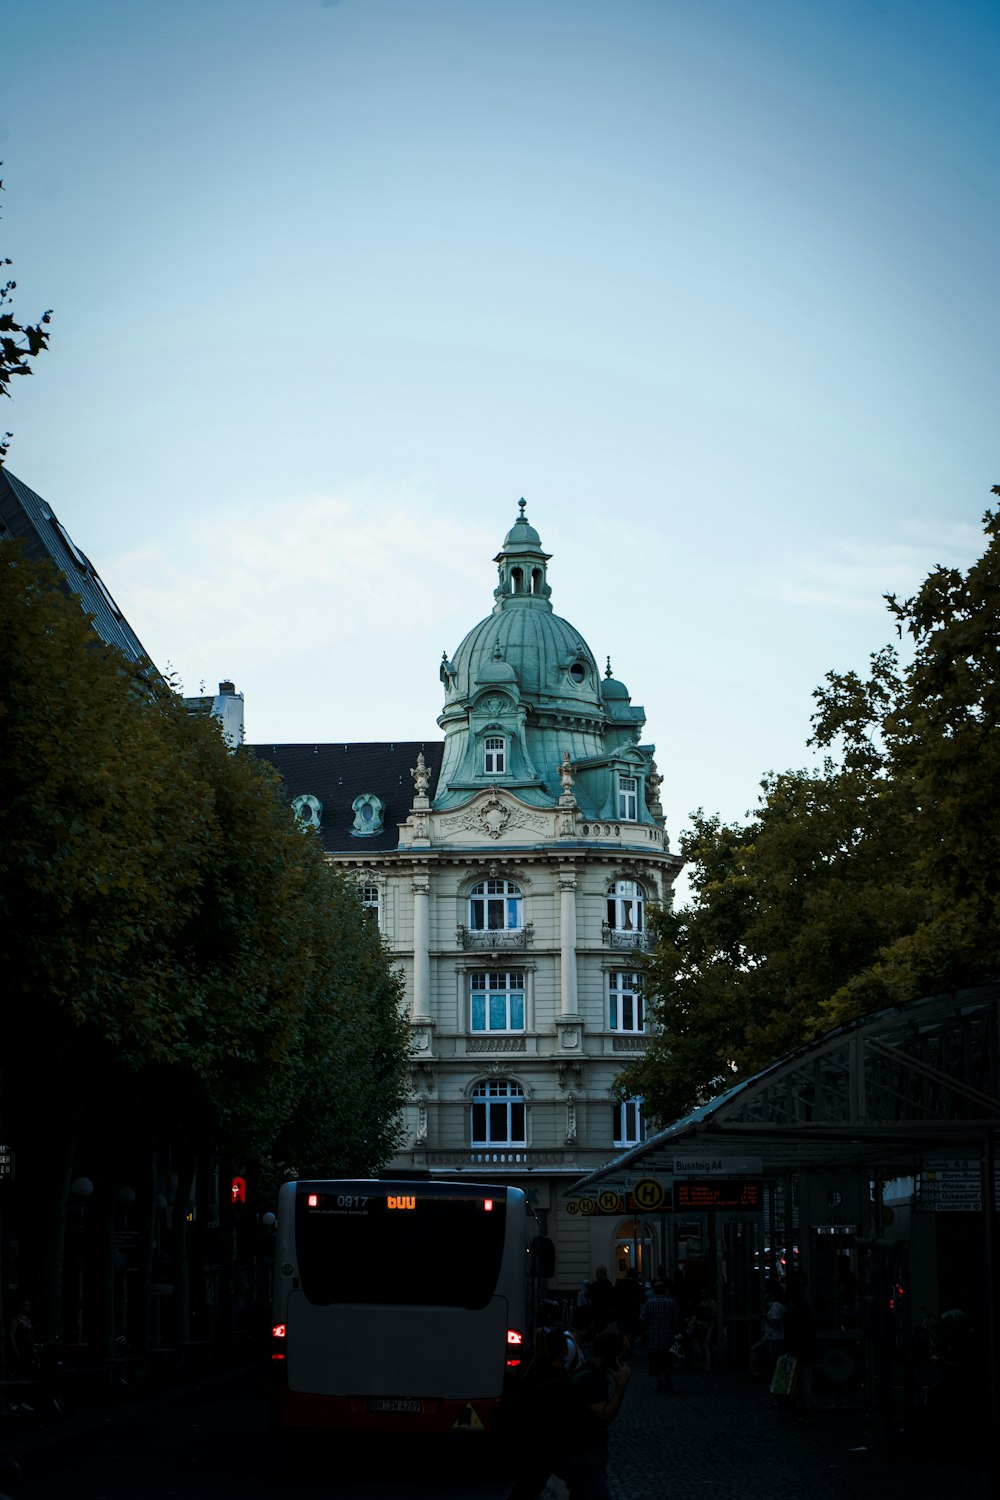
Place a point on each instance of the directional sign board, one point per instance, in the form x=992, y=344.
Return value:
x=950, y=1185
x=718, y=1166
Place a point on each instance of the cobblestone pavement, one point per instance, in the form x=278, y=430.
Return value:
x=718, y=1436
x=715, y=1437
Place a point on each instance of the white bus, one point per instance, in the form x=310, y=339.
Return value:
x=400, y=1306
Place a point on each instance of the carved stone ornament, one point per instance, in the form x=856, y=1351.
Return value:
x=420, y=1040
x=475, y=819
x=566, y=775
x=421, y=1137
x=421, y=775
x=493, y=816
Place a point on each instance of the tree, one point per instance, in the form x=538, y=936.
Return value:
x=864, y=883
x=184, y=970
x=19, y=343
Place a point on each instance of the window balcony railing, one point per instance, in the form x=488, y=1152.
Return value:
x=496, y=1156
x=502, y=1042
x=629, y=1041
x=614, y=937
x=495, y=939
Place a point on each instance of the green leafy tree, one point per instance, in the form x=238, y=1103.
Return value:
x=869, y=881
x=940, y=736
x=182, y=964
x=19, y=343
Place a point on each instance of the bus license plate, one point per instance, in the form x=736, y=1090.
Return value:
x=395, y=1406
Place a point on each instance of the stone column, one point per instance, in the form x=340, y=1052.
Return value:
x=567, y=941
x=421, y=947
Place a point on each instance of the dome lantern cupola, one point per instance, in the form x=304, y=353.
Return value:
x=521, y=563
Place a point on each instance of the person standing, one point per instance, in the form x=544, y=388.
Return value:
x=24, y=1361
x=538, y=1416
x=596, y=1393
x=800, y=1340
x=599, y=1295
x=660, y=1321
x=764, y=1354
x=706, y=1316
x=627, y=1298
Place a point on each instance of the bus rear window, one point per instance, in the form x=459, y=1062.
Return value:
x=397, y=1245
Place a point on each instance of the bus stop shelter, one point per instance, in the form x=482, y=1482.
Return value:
x=873, y=1145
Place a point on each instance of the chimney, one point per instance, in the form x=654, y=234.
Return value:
x=226, y=689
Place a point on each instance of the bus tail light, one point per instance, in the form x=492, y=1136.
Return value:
x=515, y=1343
x=279, y=1337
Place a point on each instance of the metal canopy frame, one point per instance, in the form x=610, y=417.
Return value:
x=881, y=1092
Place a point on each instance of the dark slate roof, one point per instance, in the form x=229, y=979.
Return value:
x=336, y=774
x=26, y=515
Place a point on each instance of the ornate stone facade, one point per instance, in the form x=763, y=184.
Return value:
x=512, y=889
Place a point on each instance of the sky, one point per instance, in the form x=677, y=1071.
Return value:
x=711, y=283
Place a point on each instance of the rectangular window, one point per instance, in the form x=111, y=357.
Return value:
x=496, y=1001
x=628, y=1126
x=495, y=755
x=626, y=1010
x=628, y=798
x=498, y=1124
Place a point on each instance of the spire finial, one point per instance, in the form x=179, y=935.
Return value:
x=522, y=506
x=608, y=672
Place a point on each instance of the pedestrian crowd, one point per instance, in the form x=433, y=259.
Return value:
x=558, y=1412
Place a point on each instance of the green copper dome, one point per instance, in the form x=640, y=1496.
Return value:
x=523, y=691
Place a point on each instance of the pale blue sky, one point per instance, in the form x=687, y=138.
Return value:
x=713, y=283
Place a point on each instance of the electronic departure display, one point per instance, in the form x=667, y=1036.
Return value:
x=719, y=1193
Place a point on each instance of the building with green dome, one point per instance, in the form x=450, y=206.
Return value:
x=510, y=868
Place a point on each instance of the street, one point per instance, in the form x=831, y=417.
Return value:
x=214, y=1442
x=717, y=1436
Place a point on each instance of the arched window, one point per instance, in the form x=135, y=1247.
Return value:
x=498, y=1113
x=626, y=1011
x=496, y=906
x=626, y=906
x=369, y=900
x=627, y=1125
